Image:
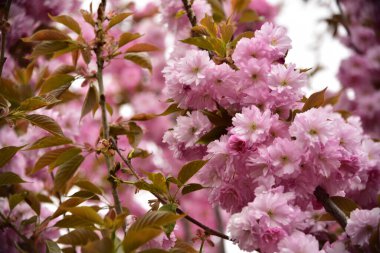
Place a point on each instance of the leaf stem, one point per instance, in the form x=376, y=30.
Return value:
x=4, y=30
x=102, y=98
x=207, y=229
x=330, y=207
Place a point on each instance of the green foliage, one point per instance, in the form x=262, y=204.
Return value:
x=78, y=237
x=91, y=101
x=140, y=60
x=146, y=228
x=345, y=204
x=66, y=171
x=316, y=100
x=191, y=188
x=128, y=37
x=45, y=122
x=7, y=153
x=49, y=141
x=52, y=247
x=117, y=19
x=104, y=245
x=55, y=81
x=9, y=178
x=67, y=21
x=86, y=213
x=189, y=170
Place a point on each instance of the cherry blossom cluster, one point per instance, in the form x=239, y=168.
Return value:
x=360, y=72
x=267, y=163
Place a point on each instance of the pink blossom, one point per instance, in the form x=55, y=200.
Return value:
x=252, y=125
x=286, y=78
x=247, y=49
x=275, y=36
x=298, y=242
x=236, y=145
x=361, y=225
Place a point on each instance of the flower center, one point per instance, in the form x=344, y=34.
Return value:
x=313, y=132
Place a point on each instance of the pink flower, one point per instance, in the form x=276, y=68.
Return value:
x=286, y=78
x=270, y=236
x=312, y=127
x=191, y=127
x=244, y=231
x=192, y=69
x=363, y=37
x=255, y=72
x=284, y=159
x=361, y=225
x=274, y=206
x=236, y=145
x=252, y=125
x=298, y=242
x=247, y=49
x=275, y=36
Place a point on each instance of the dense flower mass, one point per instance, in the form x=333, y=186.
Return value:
x=264, y=169
x=359, y=73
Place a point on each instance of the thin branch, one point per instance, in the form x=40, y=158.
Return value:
x=345, y=25
x=330, y=207
x=4, y=29
x=208, y=230
x=189, y=12
x=102, y=98
x=10, y=225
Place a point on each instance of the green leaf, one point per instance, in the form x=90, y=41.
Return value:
x=49, y=48
x=71, y=202
x=104, y=245
x=139, y=60
x=239, y=5
x=227, y=32
x=117, y=19
x=217, y=10
x=249, y=16
x=73, y=221
x=86, y=213
x=78, y=237
x=52, y=247
x=138, y=152
x=199, y=42
x=315, y=100
x=213, y=135
x=87, y=185
x=159, y=181
x=47, y=34
x=7, y=178
x=134, y=134
x=45, y=122
x=146, y=228
x=55, y=81
x=191, y=188
x=210, y=25
x=154, y=251
x=189, y=170
x=66, y=171
x=91, y=101
x=15, y=199
x=248, y=34
x=7, y=153
x=32, y=200
x=87, y=17
x=168, y=228
x=128, y=37
x=67, y=21
x=142, y=47
x=50, y=141
x=35, y=103
x=47, y=158
x=345, y=204
x=65, y=156
x=182, y=247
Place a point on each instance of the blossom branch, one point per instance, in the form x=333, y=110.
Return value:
x=100, y=42
x=189, y=12
x=345, y=25
x=4, y=29
x=207, y=229
x=7, y=223
x=330, y=207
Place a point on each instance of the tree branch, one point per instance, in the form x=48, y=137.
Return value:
x=100, y=42
x=208, y=230
x=10, y=225
x=330, y=207
x=4, y=29
x=189, y=12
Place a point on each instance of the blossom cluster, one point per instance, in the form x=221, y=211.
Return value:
x=360, y=71
x=267, y=163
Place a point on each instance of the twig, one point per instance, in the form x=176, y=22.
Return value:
x=189, y=12
x=10, y=225
x=208, y=230
x=102, y=99
x=4, y=30
x=345, y=25
x=330, y=207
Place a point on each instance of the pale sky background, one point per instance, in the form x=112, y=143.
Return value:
x=312, y=45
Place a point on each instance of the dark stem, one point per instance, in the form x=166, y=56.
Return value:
x=346, y=27
x=189, y=12
x=10, y=225
x=208, y=230
x=330, y=207
x=4, y=30
x=102, y=98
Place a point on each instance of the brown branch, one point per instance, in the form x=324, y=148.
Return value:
x=100, y=42
x=330, y=207
x=207, y=229
x=189, y=12
x=4, y=29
